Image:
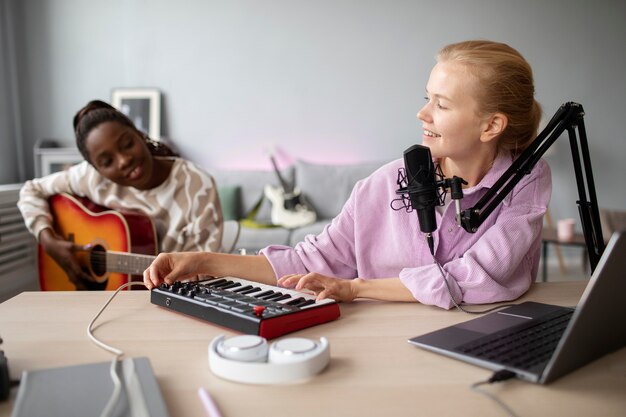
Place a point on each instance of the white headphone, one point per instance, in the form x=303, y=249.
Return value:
x=249, y=359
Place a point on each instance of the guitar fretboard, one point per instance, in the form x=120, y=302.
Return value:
x=127, y=263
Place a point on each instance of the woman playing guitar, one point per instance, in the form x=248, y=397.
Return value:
x=125, y=170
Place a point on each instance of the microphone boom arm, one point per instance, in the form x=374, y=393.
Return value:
x=568, y=117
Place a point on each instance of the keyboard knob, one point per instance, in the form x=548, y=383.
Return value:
x=258, y=310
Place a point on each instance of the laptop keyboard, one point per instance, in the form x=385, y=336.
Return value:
x=524, y=346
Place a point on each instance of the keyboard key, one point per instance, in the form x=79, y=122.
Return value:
x=264, y=293
x=230, y=285
x=251, y=290
x=523, y=346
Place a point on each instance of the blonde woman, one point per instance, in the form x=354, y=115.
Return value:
x=480, y=113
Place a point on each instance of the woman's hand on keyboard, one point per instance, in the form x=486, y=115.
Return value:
x=323, y=286
x=177, y=266
x=172, y=267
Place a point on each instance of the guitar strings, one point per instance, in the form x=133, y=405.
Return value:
x=99, y=259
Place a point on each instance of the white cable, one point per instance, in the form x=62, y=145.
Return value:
x=117, y=389
x=117, y=384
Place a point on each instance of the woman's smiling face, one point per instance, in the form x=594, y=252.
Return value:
x=451, y=120
x=120, y=154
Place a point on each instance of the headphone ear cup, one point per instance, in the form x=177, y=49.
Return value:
x=294, y=349
x=245, y=348
x=289, y=360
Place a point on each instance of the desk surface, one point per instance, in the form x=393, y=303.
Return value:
x=373, y=370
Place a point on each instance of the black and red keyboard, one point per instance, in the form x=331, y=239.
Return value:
x=246, y=306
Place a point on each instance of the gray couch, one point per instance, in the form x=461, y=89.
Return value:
x=326, y=188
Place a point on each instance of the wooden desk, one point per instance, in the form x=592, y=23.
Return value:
x=373, y=370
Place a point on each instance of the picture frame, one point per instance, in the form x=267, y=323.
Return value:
x=54, y=160
x=142, y=106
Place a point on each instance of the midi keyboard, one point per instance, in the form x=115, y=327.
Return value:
x=246, y=306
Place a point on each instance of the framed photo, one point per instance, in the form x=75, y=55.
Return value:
x=142, y=106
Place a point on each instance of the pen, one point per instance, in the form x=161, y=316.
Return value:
x=209, y=405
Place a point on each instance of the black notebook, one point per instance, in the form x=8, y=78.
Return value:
x=84, y=390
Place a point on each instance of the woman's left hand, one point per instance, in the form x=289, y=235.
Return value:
x=323, y=286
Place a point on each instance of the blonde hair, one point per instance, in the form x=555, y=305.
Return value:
x=505, y=85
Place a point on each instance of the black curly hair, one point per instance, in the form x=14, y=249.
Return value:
x=97, y=112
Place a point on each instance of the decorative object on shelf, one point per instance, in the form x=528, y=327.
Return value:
x=142, y=106
x=51, y=157
x=565, y=229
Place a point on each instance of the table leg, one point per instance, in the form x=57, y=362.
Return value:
x=544, y=249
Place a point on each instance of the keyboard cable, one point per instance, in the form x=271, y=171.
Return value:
x=117, y=383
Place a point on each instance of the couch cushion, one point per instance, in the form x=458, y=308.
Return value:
x=327, y=187
x=253, y=240
x=230, y=200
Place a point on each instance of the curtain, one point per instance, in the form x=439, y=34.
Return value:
x=12, y=163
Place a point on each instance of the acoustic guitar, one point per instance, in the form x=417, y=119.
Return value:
x=120, y=244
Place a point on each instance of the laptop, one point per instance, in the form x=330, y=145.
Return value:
x=542, y=342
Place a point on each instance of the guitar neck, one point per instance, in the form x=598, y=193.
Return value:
x=127, y=263
x=286, y=187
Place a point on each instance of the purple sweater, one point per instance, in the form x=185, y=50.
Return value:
x=369, y=240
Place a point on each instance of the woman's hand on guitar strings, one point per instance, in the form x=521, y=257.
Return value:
x=63, y=252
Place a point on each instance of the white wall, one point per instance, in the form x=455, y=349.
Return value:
x=327, y=80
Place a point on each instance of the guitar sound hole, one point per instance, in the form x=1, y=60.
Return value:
x=98, y=260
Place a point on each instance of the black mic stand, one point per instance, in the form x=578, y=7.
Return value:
x=569, y=117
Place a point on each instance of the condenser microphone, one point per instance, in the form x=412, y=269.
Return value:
x=422, y=189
